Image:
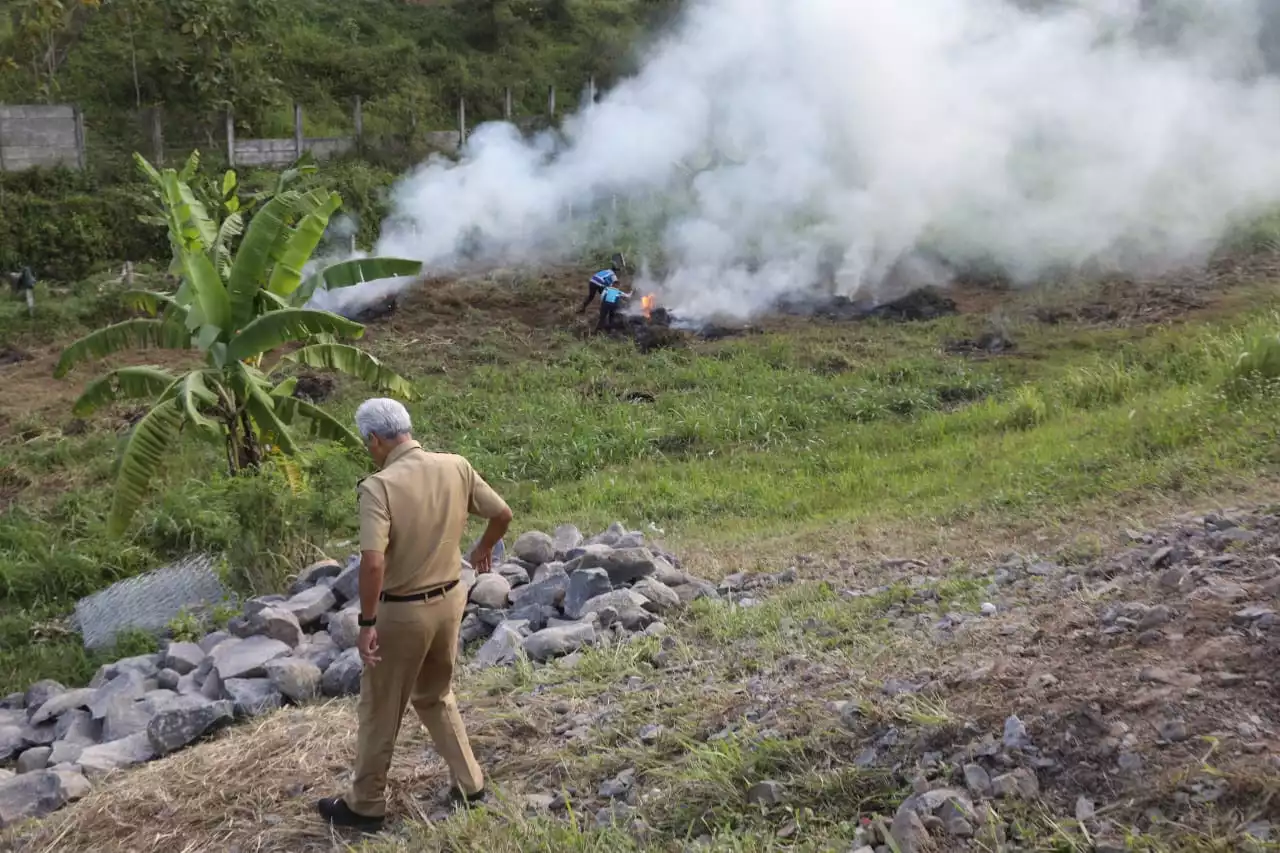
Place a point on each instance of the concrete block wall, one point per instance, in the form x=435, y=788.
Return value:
x=282, y=152
x=40, y=136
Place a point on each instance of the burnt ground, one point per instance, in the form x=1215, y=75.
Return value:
x=533, y=311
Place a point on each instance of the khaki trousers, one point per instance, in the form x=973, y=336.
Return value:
x=418, y=643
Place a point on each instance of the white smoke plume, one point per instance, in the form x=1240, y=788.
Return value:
x=771, y=147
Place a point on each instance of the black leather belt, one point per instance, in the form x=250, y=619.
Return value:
x=420, y=596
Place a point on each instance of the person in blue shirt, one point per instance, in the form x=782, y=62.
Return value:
x=600, y=281
x=610, y=300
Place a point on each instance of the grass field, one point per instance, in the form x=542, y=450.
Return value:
x=803, y=428
x=841, y=442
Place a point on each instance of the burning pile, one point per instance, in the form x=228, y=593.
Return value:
x=646, y=305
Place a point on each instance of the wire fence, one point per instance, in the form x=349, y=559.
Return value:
x=63, y=135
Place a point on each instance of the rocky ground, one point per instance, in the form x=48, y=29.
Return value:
x=1076, y=700
x=554, y=596
x=1136, y=692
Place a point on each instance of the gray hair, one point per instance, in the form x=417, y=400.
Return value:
x=382, y=417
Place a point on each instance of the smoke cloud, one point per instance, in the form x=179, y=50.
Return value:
x=775, y=148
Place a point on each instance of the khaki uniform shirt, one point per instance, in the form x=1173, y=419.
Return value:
x=415, y=511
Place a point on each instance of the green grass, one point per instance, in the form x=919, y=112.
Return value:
x=744, y=439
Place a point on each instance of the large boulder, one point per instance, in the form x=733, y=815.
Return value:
x=247, y=658
x=297, y=680
x=11, y=742
x=314, y=573
x=342, y=678
x=515, y=574
x=126, y=686
x=535, y=615
x=693, y=590
x=183, y=657
x=534, y=547
x=36, y=758
x=665, y=572
x=624, y=565
x=662, y=598
x=473, y=629
x=549, y=589
x=34, y=795
x=278, y=624
x=565, y=539
x=347, y=585
x=214, y=639
x=254, y=606
x=211, y=687
x=309, y=605
x=124, y=718
x=610, y=537
x=491, y=590
x=502, y=648
x=41, y=692
x=252, y=697
x=344, y=628
x=65, y=752
x=619, y=599
x=320, y=652
x=78, y=726
x=173, y=729
x=585, y=585
x=631, y=618
x=556, y=642
x=147, y=665
x=41, y=735
x=62, y=703
x=99, y=760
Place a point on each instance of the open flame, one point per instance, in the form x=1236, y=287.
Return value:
x=646, y=305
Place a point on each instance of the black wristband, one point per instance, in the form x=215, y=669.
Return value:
x=366, y=623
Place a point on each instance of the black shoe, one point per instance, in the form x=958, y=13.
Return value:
x=337, y=812
x=459, y=799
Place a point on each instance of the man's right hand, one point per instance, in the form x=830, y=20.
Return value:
x=482, y=560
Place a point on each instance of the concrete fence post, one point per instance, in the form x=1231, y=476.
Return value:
x=506, y=105
x=231, y=139
x=297, y=131
x=551, y=102
x=359, y=123
x=157, y=134
x=462, y=122
x=80, y=152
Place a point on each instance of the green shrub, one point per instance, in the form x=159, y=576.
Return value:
x=1256, y=367
x=1027, y=409
x=65, y=229
x=1106, y=384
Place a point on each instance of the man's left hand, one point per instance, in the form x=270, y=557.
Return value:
x=368, y=645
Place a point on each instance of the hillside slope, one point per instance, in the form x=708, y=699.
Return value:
x=260, y=56
x=911, y=472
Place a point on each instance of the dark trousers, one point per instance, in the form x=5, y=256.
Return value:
x=608, y=313
x=593, y=290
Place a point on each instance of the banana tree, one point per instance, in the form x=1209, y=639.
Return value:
x=235, y=310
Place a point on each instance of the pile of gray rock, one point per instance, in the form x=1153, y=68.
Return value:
x=559, y=593
x=553, y=595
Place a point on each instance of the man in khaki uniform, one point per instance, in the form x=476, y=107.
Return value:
x=413, y=513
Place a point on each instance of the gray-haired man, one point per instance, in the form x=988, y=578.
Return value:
x=413, y=513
